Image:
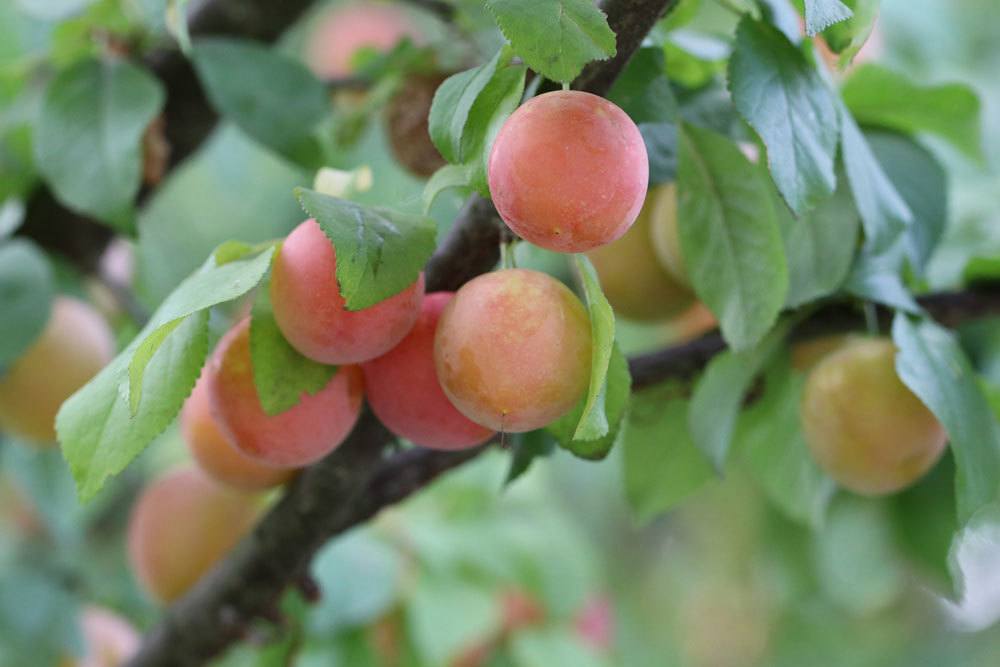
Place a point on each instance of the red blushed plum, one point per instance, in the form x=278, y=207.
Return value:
x=301, y=435
x=403, y=390
x=108, y=639
x=216, y=455
x=311, y=313
x=182, y=525
x=512, y=350
x=345, y=30
x=568, y=171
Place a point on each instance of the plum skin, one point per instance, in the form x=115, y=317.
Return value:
x=512, y=350
x=403, y=390
x=297, y=437
x=350, y=27
x=312, y=314
x=865, y=428
x=182, y=524
x=215, y=454
x=568, y=171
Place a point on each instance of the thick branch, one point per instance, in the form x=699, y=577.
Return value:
x=353, y=483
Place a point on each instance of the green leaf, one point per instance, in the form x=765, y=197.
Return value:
x=594, y=422
x=643, y=90
x=553, y=646
x=848, y=37
x=879, y=96
x=175, y=18
x=784, y=99
x=877, y=276
x=821, y=14
x=771, y=443
x=661, y=148
x=972, y=562
x=526, y=448
x=88, y=141
x=283, y=113
x=931, y=363
x=468, y=111
x=280, y=373
x=612, y=403
x=447, y=177
x=11, y=216
x=883, y=212
x=556, y=38
x=720, y=391
x=729, y=236
x=922, y=182
x=26, y=291
x=820, y=247
x=981, y=269
x=445, y=615
x=661, y=464
x=96, y=427
x=211, y=285
x=380, y=252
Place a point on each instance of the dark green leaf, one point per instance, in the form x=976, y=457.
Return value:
x=771, y=443
x=380, y=252
x=931, y=363
x=884, y=213
x=643, y=90
x=782, y=96
x=719, y=393
x=662, y=465
x=280, y=373
x=283, y=113
x=730, y=236
x=556, y=38
x=525, y=449
x=661, y=148
x=89, y=134
x=879, y=96
x=26, y=290
x=877, y=276
x=821, y=14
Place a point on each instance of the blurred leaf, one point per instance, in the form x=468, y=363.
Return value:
x=821, y=14
x=26, y=290
x=661, y=148
x=468, y=111
x=283, y=114
x=446, y=615
x=360, y=577
x=662, y=465
x=11, y=216
x=380, y=252
x=729, y=236
x=877, y=276
x=923, y=184
x=879, y=96
x=770, y=440
x=177, y=24
x=643, y=90
x=884, y=213
x=550, y=647
x=556, y=38
x=525, y=449
x=613, y=400
x=783, y=98
x=43, y=477
x=819, y=246
x=848, y=37
x=97, y=430
x=89, y=135
x=38, y=618
x=285, y=649
x=931, y=363
x=210, y=286
x=972, y=561
x=857, y=564
x=720, y=391
x=447, y=177
x=53, y=10
x=281, y=374
x=925, y=521
x=981, y=269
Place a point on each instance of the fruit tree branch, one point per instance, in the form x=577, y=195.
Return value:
x=356, y=481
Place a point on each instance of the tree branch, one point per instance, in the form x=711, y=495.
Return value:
x=355, y=482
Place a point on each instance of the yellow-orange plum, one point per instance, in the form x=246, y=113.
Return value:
x=108, y=639
x=568, y=171
x=865, y=428
x=311, y=312
x=74, y=345
x=634, y=281
x=403, y=390
x=663, y=232
x=216, y=455
x=183, y=523
x=512, y=350
x=345, y=30
x=301, y=435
